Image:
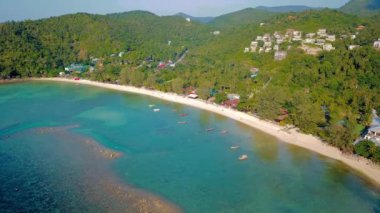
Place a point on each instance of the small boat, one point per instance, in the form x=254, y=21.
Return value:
x=234, y=147
x=156, y=110
x=210, y=129
x=151, y=105
x=183, y=115
x=182, y=122
x=243, y=157
x=224, y=132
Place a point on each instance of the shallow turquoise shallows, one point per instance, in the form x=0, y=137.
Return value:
x=168, y=154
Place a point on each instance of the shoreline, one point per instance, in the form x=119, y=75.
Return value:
x=309, y=142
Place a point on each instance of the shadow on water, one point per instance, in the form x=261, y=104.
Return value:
x=54, y=169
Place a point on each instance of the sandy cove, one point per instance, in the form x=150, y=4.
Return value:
x=360, y=164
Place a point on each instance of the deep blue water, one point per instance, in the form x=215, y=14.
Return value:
x=183, y=164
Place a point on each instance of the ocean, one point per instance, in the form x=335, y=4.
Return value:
x=67, y=147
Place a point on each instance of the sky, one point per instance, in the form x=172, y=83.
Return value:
x=36, y=9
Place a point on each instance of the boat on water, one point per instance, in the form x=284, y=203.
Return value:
x=156, y=110
x=234, y=147
x=243, y=157
x=183, y=115
x=224, y=132
x=151, y=105
x=181, y=122
x=210, y=129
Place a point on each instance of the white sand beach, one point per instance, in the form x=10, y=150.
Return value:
x=291, y=136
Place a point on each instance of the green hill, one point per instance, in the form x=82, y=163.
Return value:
x=362, y=7
x=33, y=47
x=242, y=17
x=200, y=19
x=288, y=8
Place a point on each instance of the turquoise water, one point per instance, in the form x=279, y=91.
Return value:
x=182, y=165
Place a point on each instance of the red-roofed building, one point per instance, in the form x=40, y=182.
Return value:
x=231, y=103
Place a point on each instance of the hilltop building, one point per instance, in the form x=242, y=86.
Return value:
x=280, y=55
x=376, y=44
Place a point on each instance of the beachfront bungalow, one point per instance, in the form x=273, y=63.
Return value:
x=233, y=96
x=373, y=135
x=231, y=103
x=78, y=68
x=192, y=96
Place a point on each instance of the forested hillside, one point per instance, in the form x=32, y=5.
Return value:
x=362, y=7
x=330, y=94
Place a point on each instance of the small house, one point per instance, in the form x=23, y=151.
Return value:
x=280, y=55
x=376, y=44
x=259, y=38
x=267, y=37
x=246, y=50
x=161, y=65
x=360, y=27
x=373, y=134
x=322, y=33
x=254, y=72
x=320, y=42
x=233, y=96
x=267, y=44
x=188, y=19
x=351, y=47
x=309, y=41
x=276, y=47
x=330, y=38
x=280, y=40
x=217, y=32
x=297, y=36
x=310, y=35
x=328, y=47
